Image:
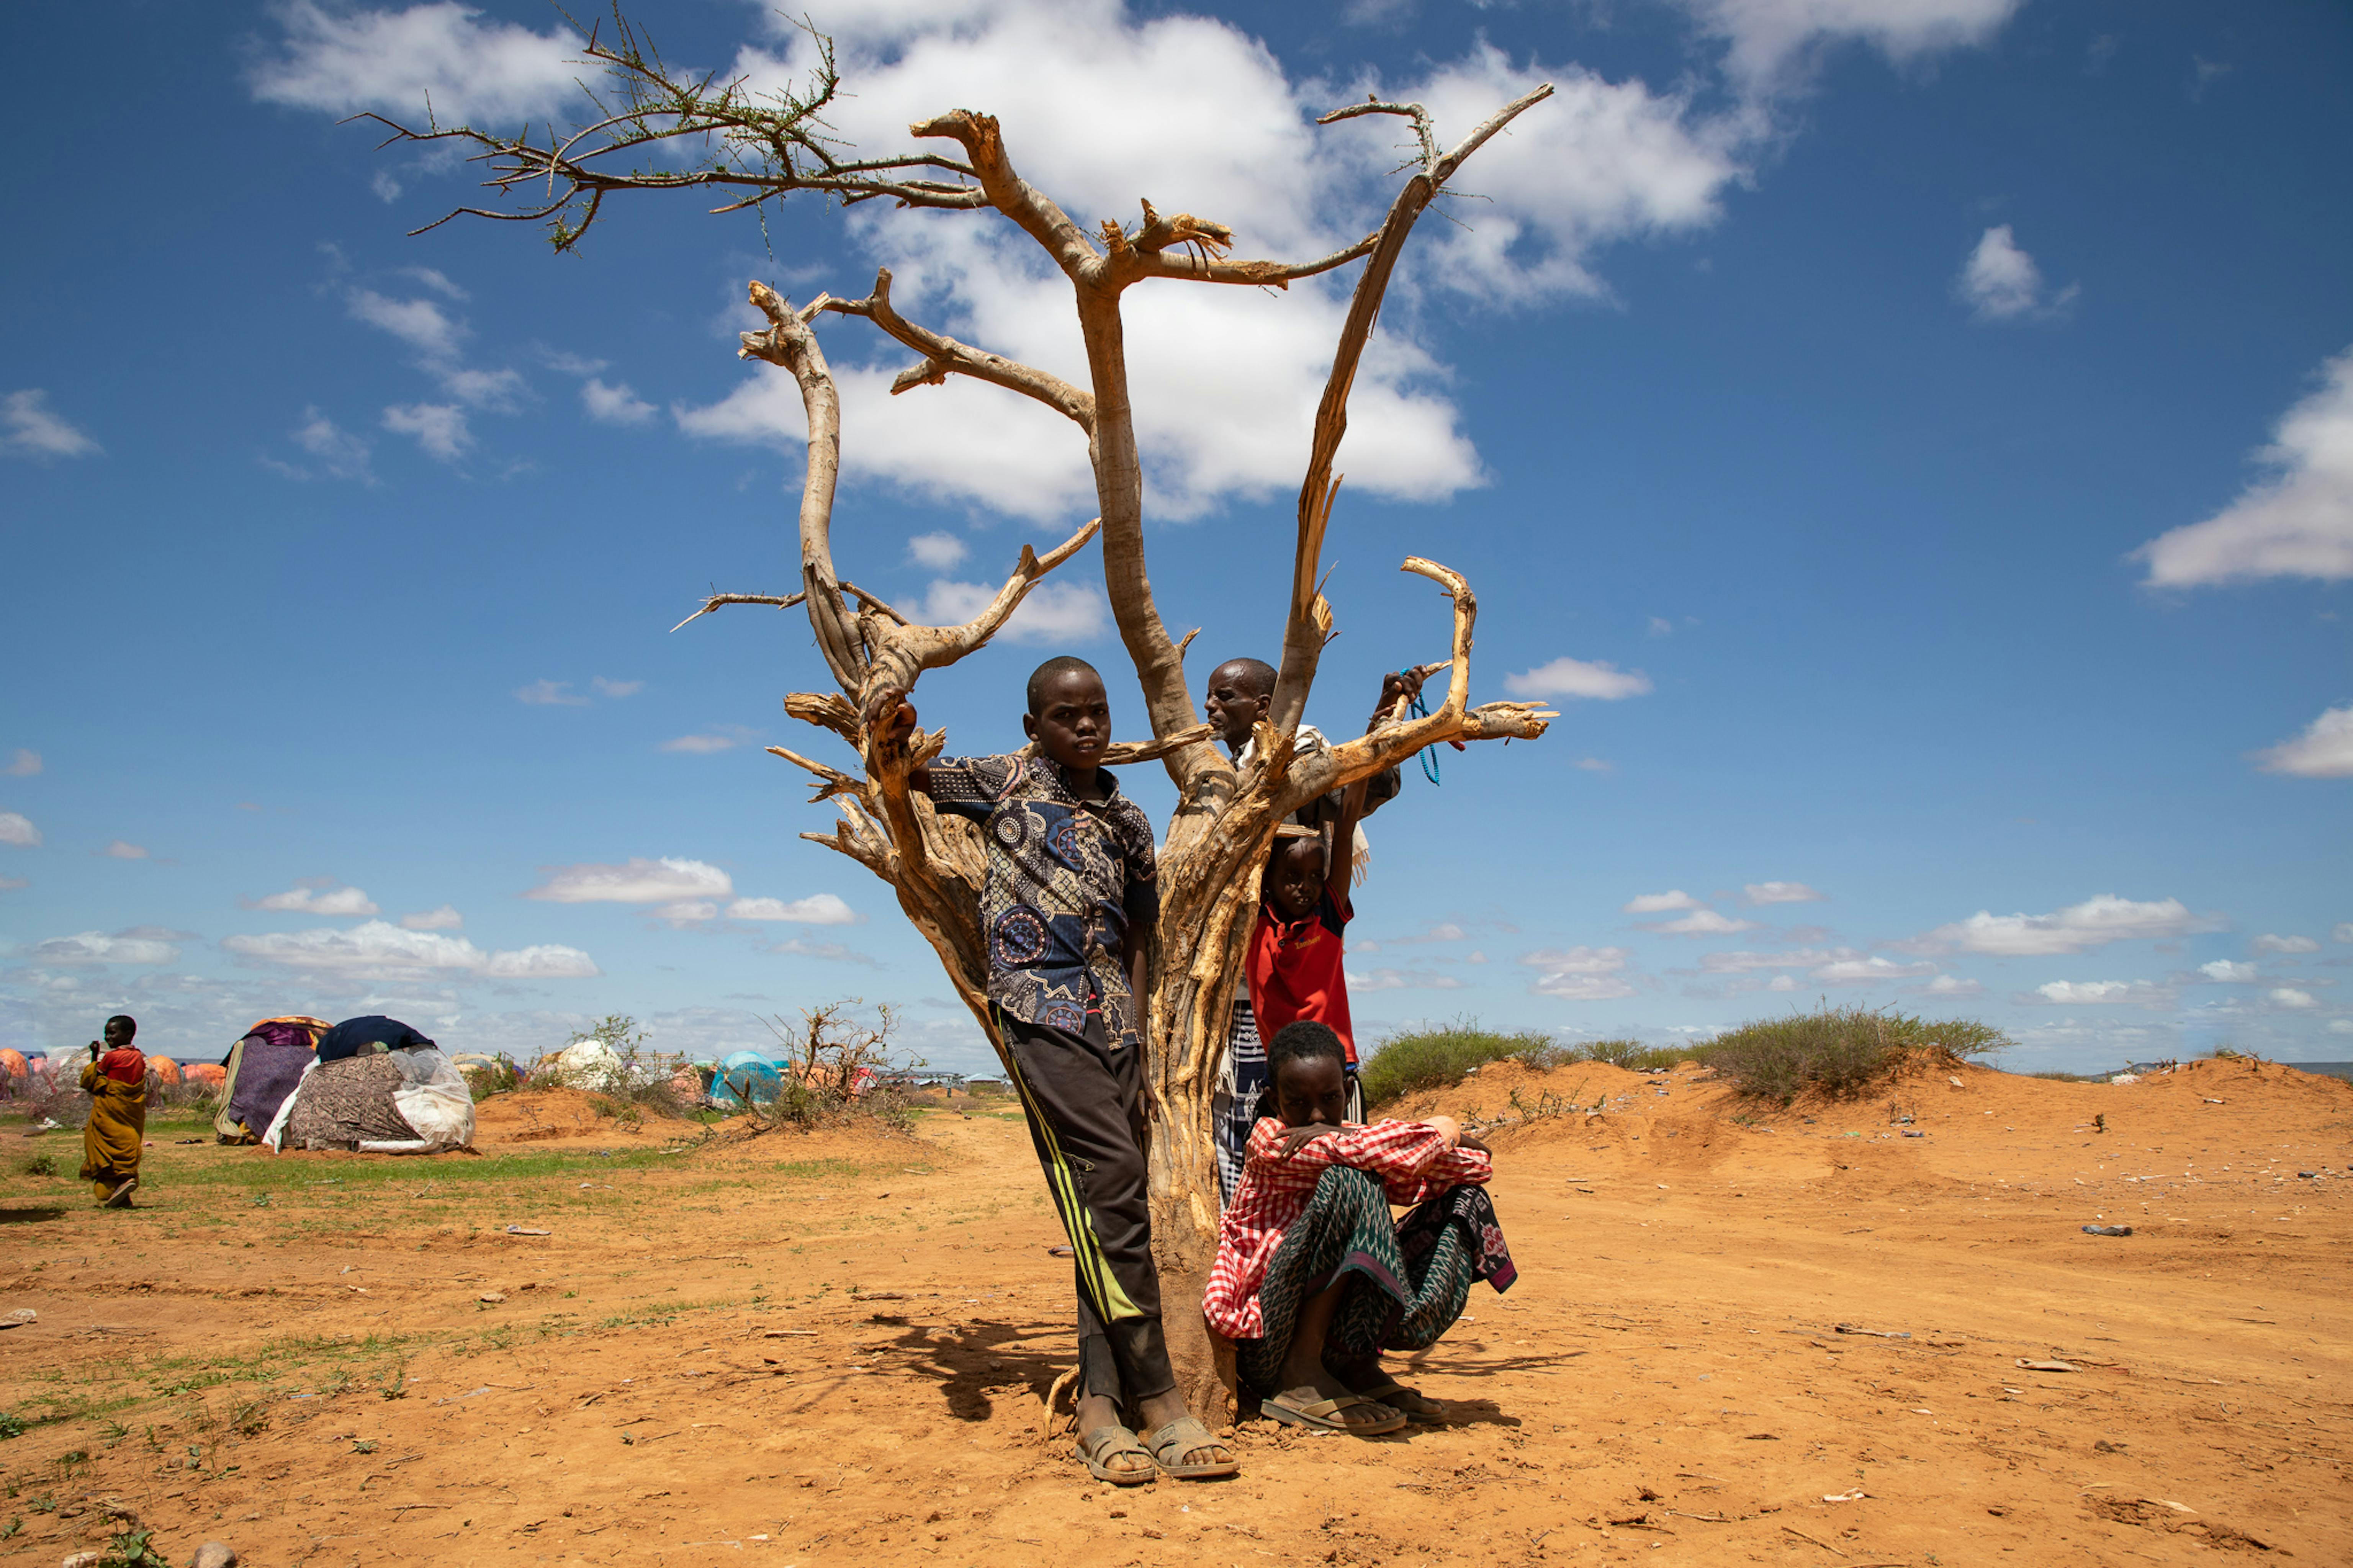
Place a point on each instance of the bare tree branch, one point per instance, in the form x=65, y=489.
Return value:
x=755, y=147
x=907, y=651
x=717, y=600
x=789, y=342
x=1310, y=626
x=943, y=354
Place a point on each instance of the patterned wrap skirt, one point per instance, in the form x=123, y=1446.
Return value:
x=1407, y=1280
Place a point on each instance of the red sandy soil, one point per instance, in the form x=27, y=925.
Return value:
x=832, y=1349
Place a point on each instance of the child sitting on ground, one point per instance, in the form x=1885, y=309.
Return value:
x=1314, y=1280
x=116, y=1081
x=1071, y=874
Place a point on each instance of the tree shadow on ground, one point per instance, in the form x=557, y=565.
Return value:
x=29, y=1215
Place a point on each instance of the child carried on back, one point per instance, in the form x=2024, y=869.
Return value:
x=1314, y=1280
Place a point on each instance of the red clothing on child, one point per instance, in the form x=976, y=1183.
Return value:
x=124, y=1064
x=1411, y=1158
x=1294, y=970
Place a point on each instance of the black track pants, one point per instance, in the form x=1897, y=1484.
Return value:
x=1085, y=1105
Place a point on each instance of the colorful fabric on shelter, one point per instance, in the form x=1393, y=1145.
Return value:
x=1398, y=1297
x=354, y=1036
x=348, y=1102
x=1411, y=1158
x=117, y=1129
x=258, y=1079
x=1066, y=876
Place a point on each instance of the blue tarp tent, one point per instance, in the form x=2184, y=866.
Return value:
x=748, y=1074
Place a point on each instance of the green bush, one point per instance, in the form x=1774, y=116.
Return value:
x=1435, y=1059
x=1835, y=1051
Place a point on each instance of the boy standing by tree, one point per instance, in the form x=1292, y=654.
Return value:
x=1291, y=974
x=1066, y=912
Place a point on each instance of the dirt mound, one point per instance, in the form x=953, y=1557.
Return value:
x=566, y=1116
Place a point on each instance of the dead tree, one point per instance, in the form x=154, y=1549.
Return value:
x=756, y=149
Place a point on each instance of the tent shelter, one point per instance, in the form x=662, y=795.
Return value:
x=262, y=1069
x=376, y=1087
x=747, y=1075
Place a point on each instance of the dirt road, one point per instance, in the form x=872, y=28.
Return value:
x=831, y=1349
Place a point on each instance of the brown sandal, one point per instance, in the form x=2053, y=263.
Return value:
x=1107, y=1443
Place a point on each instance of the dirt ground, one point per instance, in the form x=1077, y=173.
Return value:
x=831, y=1349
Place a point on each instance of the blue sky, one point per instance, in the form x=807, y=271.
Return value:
x=1917, y=457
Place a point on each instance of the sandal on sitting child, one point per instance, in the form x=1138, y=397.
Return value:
x=1324, y=1414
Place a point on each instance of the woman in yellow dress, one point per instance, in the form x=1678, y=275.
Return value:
x=116, y=1079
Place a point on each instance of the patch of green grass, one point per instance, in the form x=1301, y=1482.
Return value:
x=1439, y=1059
x=1838, y=1052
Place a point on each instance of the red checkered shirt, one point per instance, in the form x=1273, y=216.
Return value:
x=1410, y=1158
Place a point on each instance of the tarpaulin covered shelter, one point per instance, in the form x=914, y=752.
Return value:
x=747, y=1075
x=376, y=1087
x=262, y=1069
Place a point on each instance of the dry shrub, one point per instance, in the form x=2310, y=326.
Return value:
x=835, y=1071
x=1838, y=1052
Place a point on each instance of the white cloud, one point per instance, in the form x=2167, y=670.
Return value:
x=440, y=427
x=345, y=59
x=550, y=694
x=634, y=881
x=340, y=454
x=2297, y=522
x=1867, y=971
x=1567, y=676
x=122, y=849
x=1782, y=893
x=1743, y=961
x=1052, y=612
x=816, y=909
x=2105, y=994
x=1951, y=987
x=2341, y=932
x=1402, y=980
x=2000, y=282
x=380, y=951
x=940, y=551
x=2267, y=942
x=701, y=744
x=2289, y=996
x=1700, y=923
x=1770, y=43
x=686, y=912
x=446, y=918
x=386, y=188
x=2079, y=928
x=833, y=951
x=24, y=764
x=2340, y=1026
x=1658, y=903
x=614, y=405
x=2222, y=972
x=10, y=884
x=2325, y=749
x=17, y=829
x=616, y=689
x=29, y=429
x=1595, y=764
x=97, y=947
x=1662, y=627
x=316, y=901
x=421, y=323
x=1579, y=973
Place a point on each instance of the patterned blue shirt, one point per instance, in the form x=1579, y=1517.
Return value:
x=1066, y=877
